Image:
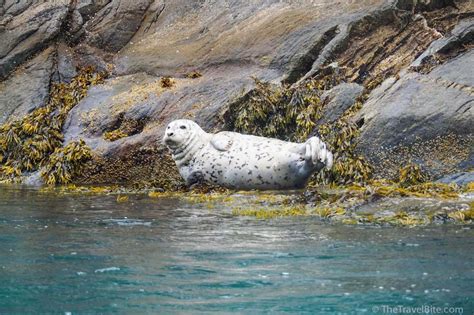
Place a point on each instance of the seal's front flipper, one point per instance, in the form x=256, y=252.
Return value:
x=195, y=178
x=221, y=141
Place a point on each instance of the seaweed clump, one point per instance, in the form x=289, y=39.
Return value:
x=114, y=135
x=270, y=214
x=124, y=127
x=341, y=137
x=35, y=141
x=411, y=174
x=65, y=162
x=283, y=112
x=292, y=113
x=167, y=82
x=194, y=75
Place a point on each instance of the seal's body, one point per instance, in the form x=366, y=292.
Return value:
x=241, y=161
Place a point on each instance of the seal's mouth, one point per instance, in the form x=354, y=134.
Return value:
x=170, y=142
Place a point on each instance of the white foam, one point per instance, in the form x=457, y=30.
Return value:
x=107, y=269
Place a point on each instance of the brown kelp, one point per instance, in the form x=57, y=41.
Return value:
x=65, y=162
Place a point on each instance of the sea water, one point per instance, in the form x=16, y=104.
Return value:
x=86, y=254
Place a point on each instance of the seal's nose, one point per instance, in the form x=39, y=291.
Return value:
x=169, y=134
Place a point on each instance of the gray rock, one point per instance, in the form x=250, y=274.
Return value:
x=426, y=118
x=83, y=11
x=279, y=35
x=114, y=25
x=461, y=179
x=462, y=33
x=65, y=68
x=87, y=8
x=29, y=32
x=338, y=100
x=11, y=8
x=33, y=179
x=424, y=5
x=27, y=88
x=228, y=42
x=140, y=98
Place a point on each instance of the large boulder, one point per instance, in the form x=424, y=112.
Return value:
x=28, y=29
x=425, y=118
x=27, y=88
x=114, y=25
x=339, y=99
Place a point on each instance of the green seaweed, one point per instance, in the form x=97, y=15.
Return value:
x=264, y=213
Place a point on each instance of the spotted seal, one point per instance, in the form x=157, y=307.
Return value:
x=242, y=161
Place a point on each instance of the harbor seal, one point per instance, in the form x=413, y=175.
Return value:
x=240, y=161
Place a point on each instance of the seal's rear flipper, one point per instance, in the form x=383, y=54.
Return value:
x=316, y=152
x=329, y=161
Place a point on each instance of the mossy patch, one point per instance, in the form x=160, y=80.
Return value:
x=167, y=82
x=194, y=75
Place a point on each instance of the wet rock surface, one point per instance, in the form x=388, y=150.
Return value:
x=419, y=52
x=462, y=178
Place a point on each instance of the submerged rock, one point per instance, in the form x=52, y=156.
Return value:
x=33, y=179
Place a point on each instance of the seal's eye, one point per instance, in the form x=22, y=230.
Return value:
x=182, y=127
x=168, y=127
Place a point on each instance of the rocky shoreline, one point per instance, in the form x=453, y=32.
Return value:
x=375, y=204
x=388, y=83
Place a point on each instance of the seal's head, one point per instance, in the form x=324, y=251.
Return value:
x=179, y=132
